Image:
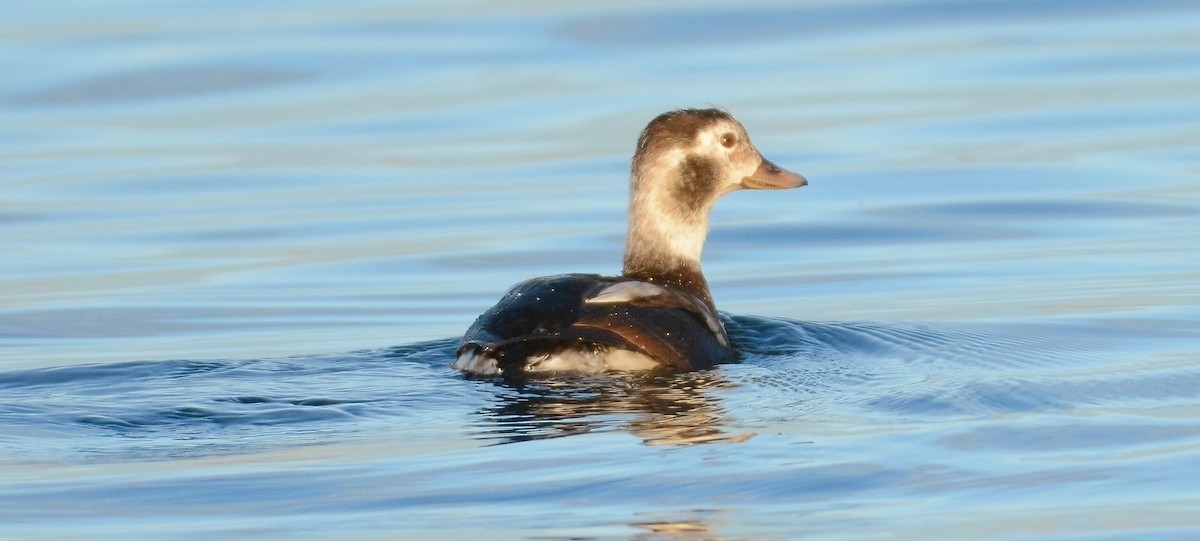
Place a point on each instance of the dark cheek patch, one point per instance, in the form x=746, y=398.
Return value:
x=697, y=185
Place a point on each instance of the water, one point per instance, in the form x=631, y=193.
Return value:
x=238, y=240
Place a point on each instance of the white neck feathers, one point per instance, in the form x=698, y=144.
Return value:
x=663, y=233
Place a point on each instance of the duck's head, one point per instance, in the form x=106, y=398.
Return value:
x=686, y=160
x=700, y=155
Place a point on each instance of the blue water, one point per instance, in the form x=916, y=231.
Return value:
x=238, y=240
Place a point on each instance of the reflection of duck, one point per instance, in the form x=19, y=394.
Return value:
x=675, y=410
x=659, y=311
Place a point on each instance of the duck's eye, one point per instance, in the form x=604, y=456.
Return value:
x=728, y=140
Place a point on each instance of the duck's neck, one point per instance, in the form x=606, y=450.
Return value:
x=665, y=237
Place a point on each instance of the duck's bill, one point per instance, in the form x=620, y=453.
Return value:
x=772, y=177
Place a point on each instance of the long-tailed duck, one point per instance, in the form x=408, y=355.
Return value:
x=658, y=312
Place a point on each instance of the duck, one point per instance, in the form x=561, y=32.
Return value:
x=658, y=314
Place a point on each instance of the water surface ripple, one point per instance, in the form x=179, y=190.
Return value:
x=238, y=241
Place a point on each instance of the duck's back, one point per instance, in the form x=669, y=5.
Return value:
x=590, y=323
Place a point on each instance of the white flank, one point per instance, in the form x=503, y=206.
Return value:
x=474, y=363
x=590, y=362
x=566, y=361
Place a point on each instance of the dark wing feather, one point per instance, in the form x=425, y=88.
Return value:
x=549, y=314
x=673, y=334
